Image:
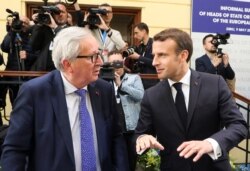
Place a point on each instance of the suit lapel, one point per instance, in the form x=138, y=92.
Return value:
x=94, y=94
x=207, y=62
x=95, y=99
x=195, y=83
x=61, y=112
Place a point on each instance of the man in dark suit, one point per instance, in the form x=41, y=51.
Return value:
x=143, y=54
x=214, y=63
x=197, y=142
x=43, y=34
x=45, y=126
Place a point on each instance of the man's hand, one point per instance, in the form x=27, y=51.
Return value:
x=216, y=61
x=52, y=23
x=134, y=56
x=197, y=148
x=225, y=59
x=86, y=15
x=35, y=17
x=102, y=25
x=117, y=79
x=147, y=141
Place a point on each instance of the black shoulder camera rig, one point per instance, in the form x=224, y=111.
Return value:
x=16, y=24
x=107, y=71
x=220, y=39
x=93, y=18
x=44, y=18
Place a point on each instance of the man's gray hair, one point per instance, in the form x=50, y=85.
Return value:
x=66, y=44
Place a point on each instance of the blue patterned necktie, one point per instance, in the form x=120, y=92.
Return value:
x=87, y=140
x=180, y=104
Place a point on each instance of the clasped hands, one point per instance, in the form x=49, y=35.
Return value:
x=186, y=149
x=218, y=59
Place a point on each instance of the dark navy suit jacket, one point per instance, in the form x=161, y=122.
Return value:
x=39, y=137
x=204, y=64
x=210, y=107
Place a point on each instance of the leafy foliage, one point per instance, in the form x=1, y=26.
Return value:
x=150, y=161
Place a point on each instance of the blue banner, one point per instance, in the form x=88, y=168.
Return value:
x=221, y=16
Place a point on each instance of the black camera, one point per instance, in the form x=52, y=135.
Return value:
x=43, y=18
x=133, y=64
x=93, y=18
x=128, y=52
x=16, y=24
x=107, y=71
x=220, y=39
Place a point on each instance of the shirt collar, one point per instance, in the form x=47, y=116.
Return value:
x=184, y=80
x=68, y=87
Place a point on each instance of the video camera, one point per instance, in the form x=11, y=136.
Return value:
x=16, y=24
x=93, y=18
x=107, y=71
x=220, y=39
x=45, y=18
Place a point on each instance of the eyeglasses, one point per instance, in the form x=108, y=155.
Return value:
x=92, y=57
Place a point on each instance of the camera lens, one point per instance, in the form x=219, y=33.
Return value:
x=128, y=52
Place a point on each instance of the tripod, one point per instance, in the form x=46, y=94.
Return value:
x=18, y=48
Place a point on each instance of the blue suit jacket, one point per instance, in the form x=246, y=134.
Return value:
x=210, y=107
x=39, y=137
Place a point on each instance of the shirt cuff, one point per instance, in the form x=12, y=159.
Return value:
x=216, y=149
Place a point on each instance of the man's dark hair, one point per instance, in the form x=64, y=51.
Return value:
x=204, y=39
x=60, y=3
x=181, y=38
x=114, y=52
x=142, y=26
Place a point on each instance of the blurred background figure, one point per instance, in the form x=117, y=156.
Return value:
x=48, y=24
x=213, y=62
x=129, y=92
x=109, y=39
x=143, y=54
x=20, y=54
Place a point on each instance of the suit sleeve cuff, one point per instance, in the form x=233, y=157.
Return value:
x=216, y=149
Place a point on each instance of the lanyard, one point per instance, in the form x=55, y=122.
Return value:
x=104, y=35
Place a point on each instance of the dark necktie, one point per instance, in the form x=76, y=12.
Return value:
x=180, y=104
x=87, y=140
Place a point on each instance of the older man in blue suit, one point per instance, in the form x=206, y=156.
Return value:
x=45, y=126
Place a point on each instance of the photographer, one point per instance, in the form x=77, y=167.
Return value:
x=143, y=53
x=213, y=62
x=20, y=55
x=109, y=39
x=49, y=21
x=129, y=92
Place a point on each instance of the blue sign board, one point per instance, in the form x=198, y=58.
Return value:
x=221, y=16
